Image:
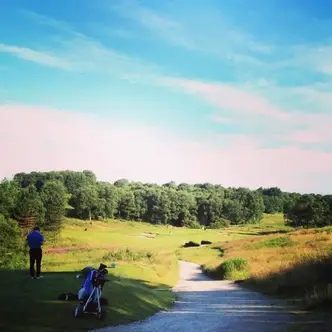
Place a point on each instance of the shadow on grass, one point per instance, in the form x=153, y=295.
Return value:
x=308, y=285
x=280, y=231
x=33, y=304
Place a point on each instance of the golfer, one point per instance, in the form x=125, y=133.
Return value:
x=35, y=240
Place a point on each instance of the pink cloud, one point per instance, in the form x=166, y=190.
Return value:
x=221, y=119
x=227, y=97
x=318, y=128
x=38, y=139
x=257, y=109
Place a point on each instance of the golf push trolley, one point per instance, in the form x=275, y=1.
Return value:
x=89, y=296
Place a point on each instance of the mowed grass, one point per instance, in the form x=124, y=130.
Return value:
x=140, y=285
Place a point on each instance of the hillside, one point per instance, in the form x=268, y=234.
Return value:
x=146, y=268
x=294, y=265
x=266, y=238
x=146, y=258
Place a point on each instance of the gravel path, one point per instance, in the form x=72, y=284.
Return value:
x=211, y=306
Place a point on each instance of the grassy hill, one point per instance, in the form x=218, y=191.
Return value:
x=146, y=269
x=271, y=257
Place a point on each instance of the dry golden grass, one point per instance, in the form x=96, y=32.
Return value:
x=297, y=265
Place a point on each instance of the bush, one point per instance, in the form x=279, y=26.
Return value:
x=283, y=241
x=222, y=223
x=231, y=269
x=193, y=224
x=126, y=254
x=12, y=253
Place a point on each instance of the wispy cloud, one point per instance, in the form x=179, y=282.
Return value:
x=51, y=22
x=78, y=52
x=207, y=32
x=206, y=29
x=227, y=97
x=319, y=57
x=39, y=57
x=247, y=109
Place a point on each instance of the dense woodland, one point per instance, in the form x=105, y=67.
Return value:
x=44, y=198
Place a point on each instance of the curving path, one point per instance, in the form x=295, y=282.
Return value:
x=206, y=305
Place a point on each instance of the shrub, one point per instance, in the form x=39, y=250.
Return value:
x=12, y=253
x=126, y=254
x=283, y=241
x=193, y=224
x=231, y=269
x=222, y=223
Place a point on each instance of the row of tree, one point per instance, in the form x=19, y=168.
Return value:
x=45, y=197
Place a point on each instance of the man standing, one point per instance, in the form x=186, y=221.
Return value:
x=35, y=240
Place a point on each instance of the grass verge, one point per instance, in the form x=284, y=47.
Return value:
x=33, y=305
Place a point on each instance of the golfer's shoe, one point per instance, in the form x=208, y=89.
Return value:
x=40, y=277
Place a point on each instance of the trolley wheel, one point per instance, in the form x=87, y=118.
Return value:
x=101, y=314
x=78, y=311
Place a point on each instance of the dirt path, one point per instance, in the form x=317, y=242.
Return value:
x=211, y=306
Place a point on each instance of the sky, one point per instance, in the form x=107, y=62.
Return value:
x=237, y=93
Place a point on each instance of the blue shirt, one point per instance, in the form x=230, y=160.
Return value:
x=35, y=239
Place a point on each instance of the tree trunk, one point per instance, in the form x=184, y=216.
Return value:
x=90, y=214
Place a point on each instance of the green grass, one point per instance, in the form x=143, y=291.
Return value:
x=146, y=258
x=236, y=268
x=146, y=269
x=32, y=304
x=277, y=242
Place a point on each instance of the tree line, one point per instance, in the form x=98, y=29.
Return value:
x=44, y=198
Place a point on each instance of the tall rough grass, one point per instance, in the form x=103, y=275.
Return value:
x=309, y=279
x=127, y=254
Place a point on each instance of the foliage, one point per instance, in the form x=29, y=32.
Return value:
x=310, y=211
x=29, y=209
x=12, y=253
x=9, y=192
x=127, y=254
x=222, y=223
x=40, y=197
x=55, y=200
x=231, y=269
x=193, y=224
x=283, y=241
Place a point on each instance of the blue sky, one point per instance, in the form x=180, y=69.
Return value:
x=232, y=92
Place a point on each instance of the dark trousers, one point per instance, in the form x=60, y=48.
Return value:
x=36, y=255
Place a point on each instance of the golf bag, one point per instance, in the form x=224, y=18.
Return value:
x=89, y=296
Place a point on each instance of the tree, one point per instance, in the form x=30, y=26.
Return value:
x=84, y=200
x=55, y=200
x=9, y=193
x=309, y=211
x=12, y=253
x=232, y=211
x=126, y=207
x=30, y=196
x=109, y=193
x=29, y=209
x=121, y=183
